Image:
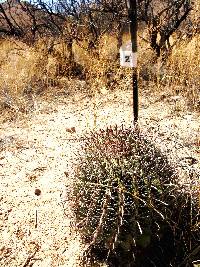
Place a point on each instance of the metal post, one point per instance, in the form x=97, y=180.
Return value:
x=132, y=15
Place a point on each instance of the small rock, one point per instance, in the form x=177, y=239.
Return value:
x=71, y=130
x=37, y=192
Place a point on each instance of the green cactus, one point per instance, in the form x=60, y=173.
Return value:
x=124, y=197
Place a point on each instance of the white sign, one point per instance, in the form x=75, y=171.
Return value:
x=127, y=57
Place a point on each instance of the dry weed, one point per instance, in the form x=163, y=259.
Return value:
x=28, y=71
x=183, y=68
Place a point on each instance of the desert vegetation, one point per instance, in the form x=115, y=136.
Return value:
x=129, y=205
x=132, y=205
x=75, y=40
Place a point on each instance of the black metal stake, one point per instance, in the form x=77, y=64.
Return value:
x=132, y=15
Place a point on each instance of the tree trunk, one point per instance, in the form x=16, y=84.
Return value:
x=119, y=38
x=71, y=59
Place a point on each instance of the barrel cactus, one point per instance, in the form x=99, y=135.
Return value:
x=125, y=201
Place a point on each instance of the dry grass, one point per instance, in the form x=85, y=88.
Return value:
x=183, y=71
x=25, y=72
x=28, y=71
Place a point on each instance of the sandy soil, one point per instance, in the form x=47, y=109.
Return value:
x=36, y=150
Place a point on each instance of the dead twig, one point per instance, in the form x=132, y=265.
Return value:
x=30, y=257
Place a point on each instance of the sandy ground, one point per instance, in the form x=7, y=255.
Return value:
x=36, y=150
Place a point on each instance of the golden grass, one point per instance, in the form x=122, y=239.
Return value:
x=23, y=67
x=24, y=71
x=184, y=69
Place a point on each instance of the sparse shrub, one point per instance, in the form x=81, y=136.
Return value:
x=128, y=207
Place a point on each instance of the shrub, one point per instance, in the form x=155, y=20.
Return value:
x=127, y=203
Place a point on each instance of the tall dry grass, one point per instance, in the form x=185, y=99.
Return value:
x=183, y=71
x=26, y=71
